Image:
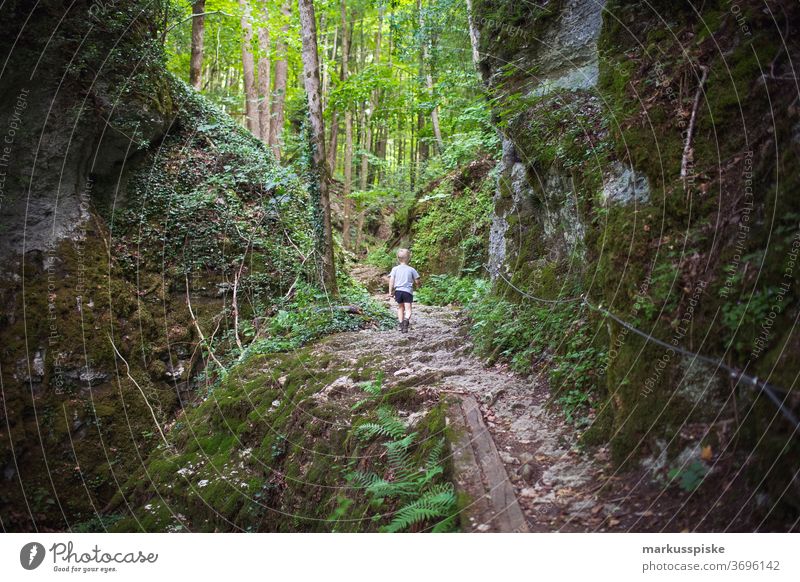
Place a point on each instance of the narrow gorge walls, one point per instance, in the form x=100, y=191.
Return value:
x=131, y=211
x=646, y=166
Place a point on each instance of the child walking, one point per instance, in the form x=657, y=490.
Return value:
x=401, y=286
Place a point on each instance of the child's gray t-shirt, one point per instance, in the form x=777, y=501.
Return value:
x=404, y=277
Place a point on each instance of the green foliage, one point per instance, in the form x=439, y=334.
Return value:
x=435, y=503
x=450, y=233
x=223, y=47
x=97, y=524
x=415, y=489
x=382, y=257
x=390, y=93
x=373, y=388
x=572, y=401
x=451, y=290
x=558, y=337
x=387, y=426
x=689, y=476
x=310, y=314
x=191, y=206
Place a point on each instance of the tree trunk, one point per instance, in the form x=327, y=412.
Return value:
x=264, y=79
x=363, y=147
x=279, y=92
x=380, y=148
x=326, y=77
x=360, y=228
x=422, y=145
x=362, y=115
x=427, y=67
x=249, y=70
x=348, y=135
x=198, y=32
x=334, y=143
x=474, y=35
x=311, y=79
x=412, y=158
x=437, y=132
x=366, y=170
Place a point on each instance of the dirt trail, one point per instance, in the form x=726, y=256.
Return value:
x=555, y=484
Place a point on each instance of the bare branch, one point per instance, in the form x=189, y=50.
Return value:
x=200, y=331
x=146, y=401
x=688, y=153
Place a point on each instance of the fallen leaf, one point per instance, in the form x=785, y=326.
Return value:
x=706, y=453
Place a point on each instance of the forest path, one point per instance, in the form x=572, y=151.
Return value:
x=524, y=472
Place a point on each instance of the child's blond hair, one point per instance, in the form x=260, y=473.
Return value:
x=403, y=255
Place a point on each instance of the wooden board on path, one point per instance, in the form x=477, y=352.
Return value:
x=480, y=475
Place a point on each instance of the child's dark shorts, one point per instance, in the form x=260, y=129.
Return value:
x=403, y=297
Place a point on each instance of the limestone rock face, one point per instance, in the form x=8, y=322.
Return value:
x=567, y=55
x=49, y=186
x=564, y=57
x=593, y=109
x=623, y=185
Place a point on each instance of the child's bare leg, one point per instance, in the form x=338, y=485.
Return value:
x=408, y=310
x=400, y=312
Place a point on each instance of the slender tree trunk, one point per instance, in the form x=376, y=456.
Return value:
x=264, y=79
x=363, y=145
x=198, y=32
x=365, y=149
x=366, y=136
x=334, y=143
x=437, y=132
x=279, y=92
x=324, y=72
x=412, y=158
x=249, y=70
x=426, y=65
x=311, y=79
x=380, y=147
x=334, y=127
x=348, y=135
x=360, y=228
x=474, y=35
x=366, y=170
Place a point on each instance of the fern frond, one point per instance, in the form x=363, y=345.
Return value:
x=438, y=501
x=435, y=455
x=430, y=474
x=402, y=444
x=391, y=424
x=361, y=480
x=384, y=488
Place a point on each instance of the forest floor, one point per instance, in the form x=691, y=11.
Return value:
x=529, y=458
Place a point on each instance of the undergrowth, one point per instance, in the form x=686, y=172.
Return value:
x=407, y=482
x=448, y=290
x=527, y=336
x=310, y=314
x=557, y=338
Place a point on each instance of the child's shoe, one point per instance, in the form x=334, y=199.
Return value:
x=406, y=323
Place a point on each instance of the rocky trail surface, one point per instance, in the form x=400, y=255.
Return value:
x=516, y=459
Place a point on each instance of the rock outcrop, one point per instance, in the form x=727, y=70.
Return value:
x=663, y=211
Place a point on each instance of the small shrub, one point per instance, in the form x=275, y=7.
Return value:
x=449, y=290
